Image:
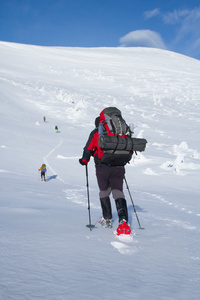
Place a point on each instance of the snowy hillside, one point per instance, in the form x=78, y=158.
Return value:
x=47, y=252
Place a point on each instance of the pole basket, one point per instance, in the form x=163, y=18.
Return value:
x=90, y=226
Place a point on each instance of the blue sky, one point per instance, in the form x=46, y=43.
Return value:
x=166, y=24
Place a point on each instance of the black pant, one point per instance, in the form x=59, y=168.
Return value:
x=110, y=179
x=43, y=175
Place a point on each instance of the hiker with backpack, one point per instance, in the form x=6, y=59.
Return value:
x=109, y=163
x=43, y=171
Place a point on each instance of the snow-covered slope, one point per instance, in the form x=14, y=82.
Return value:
x=47, y=252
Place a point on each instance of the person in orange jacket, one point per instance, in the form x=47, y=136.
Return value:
x=43, y=170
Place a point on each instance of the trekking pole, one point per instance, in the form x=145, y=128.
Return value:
x=133, y=203
x=87, y=185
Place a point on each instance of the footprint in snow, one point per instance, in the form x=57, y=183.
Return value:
x=125, y=245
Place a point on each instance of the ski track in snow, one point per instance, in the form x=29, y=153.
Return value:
x=72, y=194
x=58, y=156
x=183, y=222
x=174, y=205
x=46, y=160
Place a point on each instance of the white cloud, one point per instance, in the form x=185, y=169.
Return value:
x=185, y=24
x=188, y=32
x=151, y=13
x=195, y=46
x=175, y=17
x=142, y=38
x=190, y=24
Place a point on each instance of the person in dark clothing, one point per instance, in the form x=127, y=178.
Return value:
x=109, y=178
x=43, y=171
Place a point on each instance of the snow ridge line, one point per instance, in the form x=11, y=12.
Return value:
x=49, y=166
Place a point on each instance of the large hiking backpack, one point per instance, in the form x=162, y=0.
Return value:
x=113, y=122
x=115, y=138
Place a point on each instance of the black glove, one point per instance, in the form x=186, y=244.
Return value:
x=82, y=162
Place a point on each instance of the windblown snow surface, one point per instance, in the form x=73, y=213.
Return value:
x=46, y=250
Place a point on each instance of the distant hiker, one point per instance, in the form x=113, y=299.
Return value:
x=56, y=129
x=44, y=119
x=109, y=171
x=43, y=169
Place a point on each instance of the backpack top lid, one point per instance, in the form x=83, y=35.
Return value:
x=109, y=111
x=113, y=122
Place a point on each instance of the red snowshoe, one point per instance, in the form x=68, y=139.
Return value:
x=123, y=229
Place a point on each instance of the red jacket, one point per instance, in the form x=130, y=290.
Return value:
x=92, y=148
